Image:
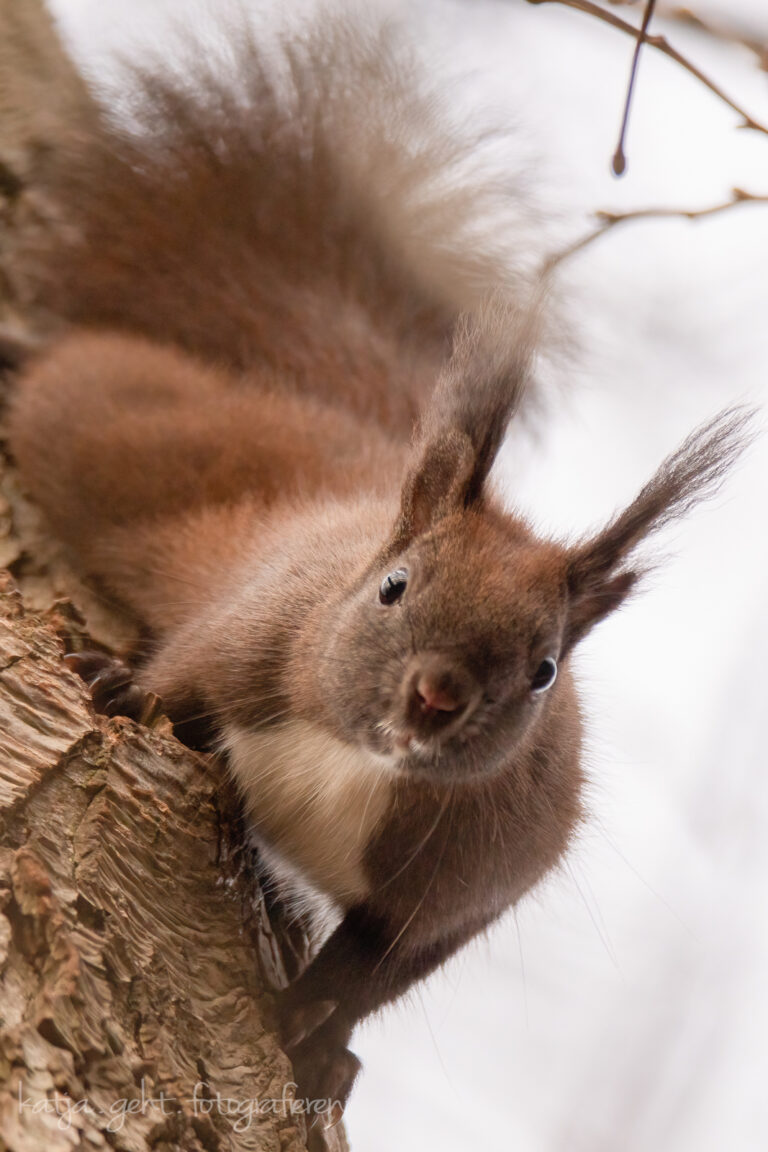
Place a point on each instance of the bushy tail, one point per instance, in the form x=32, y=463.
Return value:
x=301, y=209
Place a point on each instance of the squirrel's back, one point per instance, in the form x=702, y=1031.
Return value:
x=298, y=208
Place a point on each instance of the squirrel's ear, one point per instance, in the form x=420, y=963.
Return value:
x=436, y=485
x=592, y=597
x=600, y=573
x=476, y=395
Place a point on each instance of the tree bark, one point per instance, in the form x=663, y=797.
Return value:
x=137, y=952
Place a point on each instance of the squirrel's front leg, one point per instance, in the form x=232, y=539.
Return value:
x=364, y=964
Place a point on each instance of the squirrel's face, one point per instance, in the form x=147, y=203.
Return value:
x=442, y=659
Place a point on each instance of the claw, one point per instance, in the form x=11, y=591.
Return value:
x=112, y=687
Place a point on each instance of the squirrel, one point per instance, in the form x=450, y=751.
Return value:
x=267, y=430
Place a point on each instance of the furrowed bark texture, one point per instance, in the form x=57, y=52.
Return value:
x=136, y=950
x=128, y=967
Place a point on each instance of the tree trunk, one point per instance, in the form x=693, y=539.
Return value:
x=137, y=952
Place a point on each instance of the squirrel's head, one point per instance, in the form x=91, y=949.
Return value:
x=446, y=651
x=449, y=645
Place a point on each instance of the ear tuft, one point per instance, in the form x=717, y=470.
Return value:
x=599, y=576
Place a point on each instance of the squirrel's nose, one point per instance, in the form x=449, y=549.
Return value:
x=438, y=691
x=433, y=698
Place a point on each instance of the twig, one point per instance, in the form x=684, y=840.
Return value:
x=607, y=221
x=619, y=161
x=662, y=45
x=719, y=30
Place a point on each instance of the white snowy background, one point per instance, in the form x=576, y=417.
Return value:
x=625, y=1007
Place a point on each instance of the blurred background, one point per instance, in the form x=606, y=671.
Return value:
x=625, y=1004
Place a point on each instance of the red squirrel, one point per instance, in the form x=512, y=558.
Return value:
x=267, y=431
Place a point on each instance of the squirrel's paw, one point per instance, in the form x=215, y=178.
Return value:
x=324, y=1079
x=315, y=1037
x=112, y=687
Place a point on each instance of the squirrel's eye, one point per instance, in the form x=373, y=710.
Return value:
x=545, y=675
x=393, y=586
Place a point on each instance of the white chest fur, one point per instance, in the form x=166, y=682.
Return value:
x=312, y=798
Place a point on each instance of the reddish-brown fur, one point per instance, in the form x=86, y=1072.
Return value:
x=227, y=451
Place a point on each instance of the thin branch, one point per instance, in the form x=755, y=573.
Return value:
x=607, y=221
x=720, y=30
x=619, y=161
x=662, y=45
